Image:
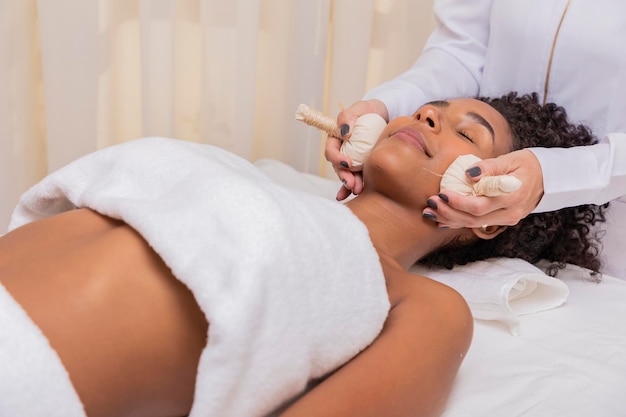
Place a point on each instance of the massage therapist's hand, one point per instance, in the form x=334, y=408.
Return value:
x=455, y=210
x=352, y=181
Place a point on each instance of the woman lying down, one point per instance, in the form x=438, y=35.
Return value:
x=166, y=278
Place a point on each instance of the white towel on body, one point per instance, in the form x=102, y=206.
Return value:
x=501, y=288
x=288, y=301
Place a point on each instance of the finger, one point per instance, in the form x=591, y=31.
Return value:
x=460, y=219
x=343, y=193
x=512, y=206
x=347, y=177
x=475, y=206
x=439, y=216
x=358, y=183
x=347, y=118
x=502, y=165
x=332, y=153
x=484, y=168
x=453, y=217
x=352, y=183
x=492, y=186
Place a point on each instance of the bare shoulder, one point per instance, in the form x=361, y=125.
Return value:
x=416, y=291
x=436, y=306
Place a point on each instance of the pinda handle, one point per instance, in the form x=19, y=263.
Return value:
x=367, y=130
x=318, y=119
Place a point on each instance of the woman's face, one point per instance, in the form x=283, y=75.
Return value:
x=413, y=152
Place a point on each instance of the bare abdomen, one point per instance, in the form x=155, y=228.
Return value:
x=129, y=333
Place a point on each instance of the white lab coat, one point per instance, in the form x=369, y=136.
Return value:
x=491, y=47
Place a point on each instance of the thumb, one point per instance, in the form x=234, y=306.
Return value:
x=346, y=119
x=490, y=167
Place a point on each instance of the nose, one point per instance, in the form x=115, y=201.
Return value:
x=429, y=115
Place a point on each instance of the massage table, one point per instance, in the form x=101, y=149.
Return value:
x=542, y=346
x=568, y=360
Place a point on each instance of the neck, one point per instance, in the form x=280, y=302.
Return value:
x=398, y=231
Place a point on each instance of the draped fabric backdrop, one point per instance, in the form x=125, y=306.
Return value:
x=79, y=75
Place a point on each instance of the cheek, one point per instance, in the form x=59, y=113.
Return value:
x=398, y=173
x=428, y=181
x=387, y=161
x=392, y=162
x=448, y=155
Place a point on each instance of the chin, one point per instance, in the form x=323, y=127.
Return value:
x=404, y=182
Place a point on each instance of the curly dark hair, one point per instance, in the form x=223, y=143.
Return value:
x=561, y=237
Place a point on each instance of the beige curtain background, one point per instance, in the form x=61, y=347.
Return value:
x=79, y=75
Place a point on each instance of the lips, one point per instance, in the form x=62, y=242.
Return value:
x=413, y=137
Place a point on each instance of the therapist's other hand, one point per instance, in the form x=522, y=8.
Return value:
x=352, y=181
x=454, y=210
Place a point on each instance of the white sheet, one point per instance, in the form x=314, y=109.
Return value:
x=567, y=361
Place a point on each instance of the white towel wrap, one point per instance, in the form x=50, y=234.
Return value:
x=289, y=282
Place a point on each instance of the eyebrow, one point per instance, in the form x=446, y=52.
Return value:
x=482, y=121
x=475, y=116
x=439, y=103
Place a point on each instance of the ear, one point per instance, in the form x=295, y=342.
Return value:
x=488, y=232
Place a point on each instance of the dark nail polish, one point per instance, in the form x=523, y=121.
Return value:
x=431, y=204
x=345, y=184
x=443, y=227
x=444, y=198
x=345, y=128
x=473, y=171
x=429, y=216
x=344, y=164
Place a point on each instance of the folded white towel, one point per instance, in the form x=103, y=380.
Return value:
x=502, y=288
x=257, y=257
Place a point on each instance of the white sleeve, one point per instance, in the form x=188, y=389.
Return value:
x=584, y=174
x=451, y=64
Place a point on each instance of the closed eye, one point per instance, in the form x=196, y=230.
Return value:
x=465, y=135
